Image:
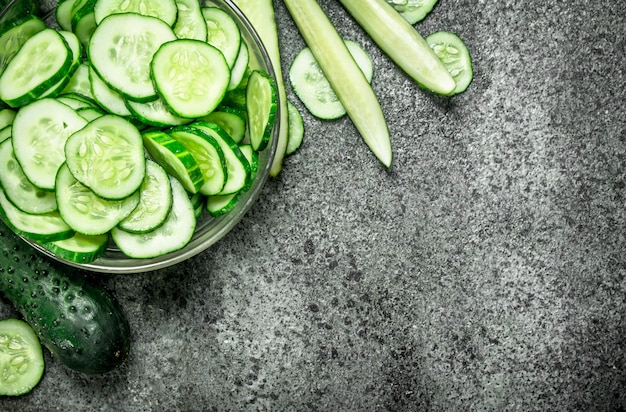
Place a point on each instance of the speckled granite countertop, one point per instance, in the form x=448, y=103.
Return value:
x=484, y=271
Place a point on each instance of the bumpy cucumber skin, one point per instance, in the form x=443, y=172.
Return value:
x=82, y=325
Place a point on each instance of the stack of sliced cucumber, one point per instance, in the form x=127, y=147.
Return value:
x=126, y=124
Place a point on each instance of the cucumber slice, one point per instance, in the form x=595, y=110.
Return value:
x=155, y=201
x=18, y=189
x=174, y=234
x=79, y=248
x=107, y=156
x=40, y=131
x=79, y=83
x=296, y=129
x=86, y=212
x=155, y=113
x=22, y=362
x=313, y=89
x=413, y=11
x=47, y=227
x=175, y=159
x=222, y=33
x=455, y=56
x=12, y=39
x=164, y=10
x=237, y=166
x=90, y=113
x=6, y=117
x=189, y=22
x=222, y=204
x=83, y=20
x=5, y=133
x=261, y=98
x=240, y=67
x=43, y=60
x=191, y=77
x=232, y=120
x=207, y=152
x=63, y=14
x=121, y=49
x=106, y=97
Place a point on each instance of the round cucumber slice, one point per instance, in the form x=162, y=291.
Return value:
x=455, y=56
x=313, y=89
x=121, y=49
x=107, y=156
x=40, y=131
x=21, y=358
x=191, y=77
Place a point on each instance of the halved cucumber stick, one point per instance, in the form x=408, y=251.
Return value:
x=402, y=43
x=344, y=75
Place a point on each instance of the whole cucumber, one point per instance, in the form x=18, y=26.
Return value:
x=81, y=324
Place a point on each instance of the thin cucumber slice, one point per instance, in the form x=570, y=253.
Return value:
x=22, y=362
x=190, y=76
x=240, y=67
x=237, y=166
x=63, y=14
x=175, y=159
x=43, y=60
x=232, y=120
x=222, y=204
x=107, y=156
x=121, y=50
x=455, y=56
x=174, y=234
x=209, y=155
x=155, y=113
x=83, y=20
x=189, y=22
x=12, y=39
x=198, y=201
x=223, y=33
x=106, y=97
x=40, y=131
x=6, y=117
x=162, y=9
x=155, y=201
x=413, y=11
x=18, y=189
x=312, y=88
x=261, y=97
x=296, y=129
x=75, y=101
x=47, y=227
x=80, y=83
x=5, y=133
x=90, y=113
x=79, y=248
x=86, y=212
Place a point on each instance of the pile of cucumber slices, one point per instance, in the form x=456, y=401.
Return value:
x=126, y=123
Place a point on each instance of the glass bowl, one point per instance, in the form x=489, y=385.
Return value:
x=209, y=229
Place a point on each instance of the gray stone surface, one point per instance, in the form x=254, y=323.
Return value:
x=484, y=271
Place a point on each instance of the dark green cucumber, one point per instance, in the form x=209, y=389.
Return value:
x=81, y=324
